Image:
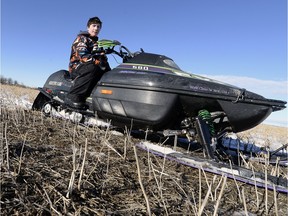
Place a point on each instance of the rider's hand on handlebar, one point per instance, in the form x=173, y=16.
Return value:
x=109, y=50
x=103, y=51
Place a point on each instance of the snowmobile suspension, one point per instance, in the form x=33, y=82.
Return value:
x=205, y=137
x=205, y=115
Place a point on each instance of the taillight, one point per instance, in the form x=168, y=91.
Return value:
x=49, y=91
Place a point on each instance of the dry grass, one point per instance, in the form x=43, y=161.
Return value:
x=53, y=167
x=19, y=92
x=267, y=135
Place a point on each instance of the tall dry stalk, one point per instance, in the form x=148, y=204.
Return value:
x=72, y=178
x=208, y=184
x=106, y=142
x=73, y=173
x=200, y=211
x=237, y=186
x=256, y=190
x=83, y=164
x=220, y=195
x=275, y=200
x=244, y=202
x=50, y=203
x=266, y=183
x=21, y=153
x=150, y=165
x=194, y=208
x=125, y=148
x=200, y=188
x=7, y=148
x=2, y=138
x=140, y=181
x=108, y=162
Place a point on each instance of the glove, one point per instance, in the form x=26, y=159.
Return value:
x=109, y=50
x=102, y=61
x=103, y=58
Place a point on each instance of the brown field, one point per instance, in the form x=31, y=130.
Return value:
x=20, y=91
x=54, y=167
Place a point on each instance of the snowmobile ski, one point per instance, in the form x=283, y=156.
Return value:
x=238, y=173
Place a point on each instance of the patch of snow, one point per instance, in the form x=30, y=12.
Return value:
x=10, y=100
x=164, y=150
x=97, y=122
x=117, y=133
x=265, y=140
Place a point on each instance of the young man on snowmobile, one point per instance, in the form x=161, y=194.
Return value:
x=85, y=67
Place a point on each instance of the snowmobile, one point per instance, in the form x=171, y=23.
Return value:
x=150, y=92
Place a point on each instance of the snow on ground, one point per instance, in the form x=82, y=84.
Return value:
x=266, y=135
x=10, y=100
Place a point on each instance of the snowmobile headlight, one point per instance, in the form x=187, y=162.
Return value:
x=106, y=91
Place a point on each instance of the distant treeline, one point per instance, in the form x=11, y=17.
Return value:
x=9, y=81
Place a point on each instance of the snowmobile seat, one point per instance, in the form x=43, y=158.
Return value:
x=67, y=75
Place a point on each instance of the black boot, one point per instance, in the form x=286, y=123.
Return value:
x=74, y=101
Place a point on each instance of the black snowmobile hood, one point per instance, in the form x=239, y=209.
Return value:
x=160, y=73
x=161, y=64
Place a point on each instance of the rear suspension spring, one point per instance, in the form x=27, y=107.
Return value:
x=205, y=115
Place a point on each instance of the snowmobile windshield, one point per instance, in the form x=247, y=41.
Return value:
x=153, y=59
x=171, y=63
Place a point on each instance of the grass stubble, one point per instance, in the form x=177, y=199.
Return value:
x=54, y=167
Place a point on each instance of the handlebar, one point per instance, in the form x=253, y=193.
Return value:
x=107, y=47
